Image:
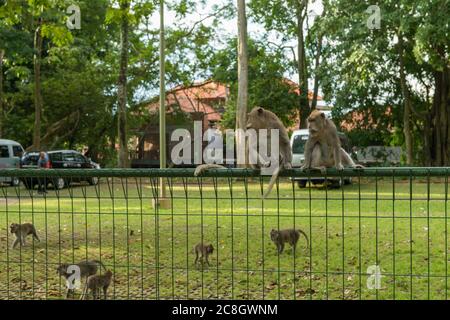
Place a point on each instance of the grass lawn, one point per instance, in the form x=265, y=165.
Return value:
x=399, y=226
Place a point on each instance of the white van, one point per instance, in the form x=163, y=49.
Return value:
x=298, y=141
x=10, y=154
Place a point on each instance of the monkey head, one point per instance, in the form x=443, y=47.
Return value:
x=108, y=273
x=316, y=122
x=274, y=234
x=209, y=248
x=14, y=227
x=62, y=269
x=256, y=118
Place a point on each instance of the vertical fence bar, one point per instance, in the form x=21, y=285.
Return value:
x=377, y=263
x=8, y=262
x=393, y=237
x=186, y=210
x=446, y=232
x=410, y=235
x=230, y=185
x=311, y=241
x=359, y=237
x=343, y=234
x=262, y=237
x=247, y=235
x=327, y=280
x=428, y=235
x=294, y=216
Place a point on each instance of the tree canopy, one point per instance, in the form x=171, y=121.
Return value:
x=389, y=84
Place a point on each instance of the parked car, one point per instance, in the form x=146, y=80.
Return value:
x=59, y=159
x=10, y=154
x=298, y=141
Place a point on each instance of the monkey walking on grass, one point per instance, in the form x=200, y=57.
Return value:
x=96, y=283
x=259, y=118
x=21, y=231
x=291, y=236
x=323, y=147
x=203, y=250
x=87, y=268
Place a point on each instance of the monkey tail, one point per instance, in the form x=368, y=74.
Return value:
x=306, y=237
x=100, y=263
x=204, y=167
x=272, y=182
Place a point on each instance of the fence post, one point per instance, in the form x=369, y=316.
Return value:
x=162, y=201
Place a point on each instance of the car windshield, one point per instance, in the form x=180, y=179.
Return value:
x=30, y=159
x=298, y=146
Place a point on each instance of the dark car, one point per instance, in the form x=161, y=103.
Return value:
x=59, y=159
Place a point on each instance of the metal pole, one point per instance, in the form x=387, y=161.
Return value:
x=162, y=102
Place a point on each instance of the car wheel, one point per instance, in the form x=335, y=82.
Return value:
x=15, y=182
x=302, y=184
x=334, y=184
x=93, y=181
x=59, y=183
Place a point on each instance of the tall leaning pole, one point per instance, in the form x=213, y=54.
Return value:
x=163, y=201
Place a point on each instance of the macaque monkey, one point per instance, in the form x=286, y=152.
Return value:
x=323, y=147
x=21, y=231
x=260, y=118
x=291, y=236
x=97, y=282
x=87, y=268
x=204, y=250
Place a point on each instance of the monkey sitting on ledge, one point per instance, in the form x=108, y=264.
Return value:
x=323, y=147
x=259, y=118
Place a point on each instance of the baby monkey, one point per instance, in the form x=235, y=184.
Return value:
x=97, y=282
x=87, y=268
x=204, y=250
x=21, y=231
x=291, y=236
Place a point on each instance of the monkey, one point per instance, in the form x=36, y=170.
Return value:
x=204, y=250
x=87, y=268
x=322, y=137
x=279, y=237
x=97, y=282
x=21, y=231
x=260, y=118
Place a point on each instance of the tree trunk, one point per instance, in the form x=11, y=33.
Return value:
x=316, y=76
x=2, y=112
x=427, y=140
x=37, y=86
x=439, y=115
x=304, y=108
x=122, y=90
x=242, y=98
x=445, y=116
x=407, y=106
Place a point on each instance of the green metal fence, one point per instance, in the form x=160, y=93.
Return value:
x=383, y=236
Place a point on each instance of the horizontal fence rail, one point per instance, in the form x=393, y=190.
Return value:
x=178, y=172
x=373, y=233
